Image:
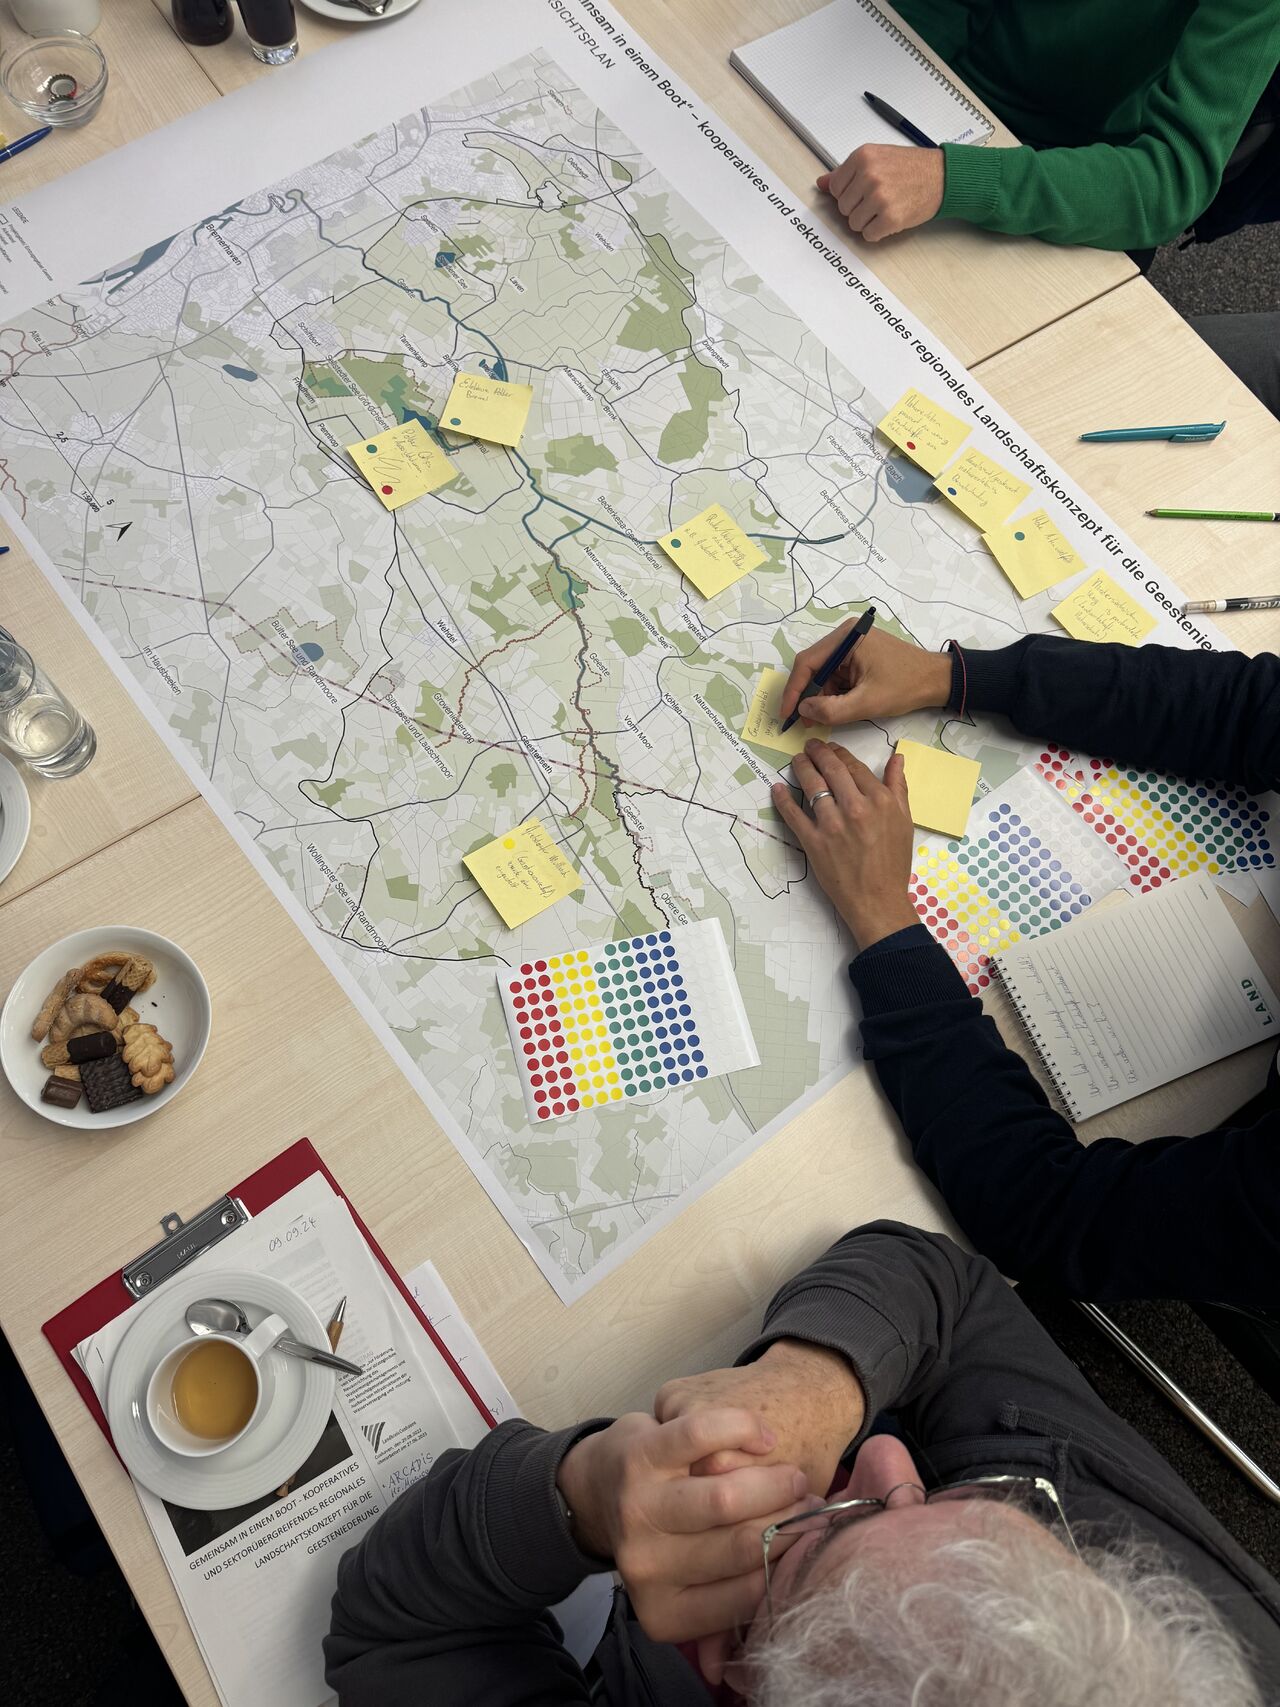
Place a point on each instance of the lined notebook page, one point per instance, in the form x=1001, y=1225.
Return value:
x=814, y=72
x=1120, y=1002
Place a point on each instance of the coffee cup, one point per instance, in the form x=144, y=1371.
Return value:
x=208, y=1392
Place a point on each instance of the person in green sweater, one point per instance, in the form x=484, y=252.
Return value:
x=1128, y=114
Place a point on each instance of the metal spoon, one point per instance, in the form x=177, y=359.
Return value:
x=220, y=1316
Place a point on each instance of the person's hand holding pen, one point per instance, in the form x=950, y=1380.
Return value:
x=882, y=677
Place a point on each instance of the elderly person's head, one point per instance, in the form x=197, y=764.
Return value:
x=975, y=1600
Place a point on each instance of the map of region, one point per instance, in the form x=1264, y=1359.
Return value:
x=375, y=695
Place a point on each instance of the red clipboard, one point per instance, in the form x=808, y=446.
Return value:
x=109, y=1298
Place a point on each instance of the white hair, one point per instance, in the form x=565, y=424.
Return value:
x=996, y=1620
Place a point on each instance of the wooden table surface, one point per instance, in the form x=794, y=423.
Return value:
x=1079, y=338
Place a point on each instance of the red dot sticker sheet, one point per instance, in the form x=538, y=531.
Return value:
x=635, y=1020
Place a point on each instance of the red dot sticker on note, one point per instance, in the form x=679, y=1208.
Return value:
x=910, y=444
x=387, y=491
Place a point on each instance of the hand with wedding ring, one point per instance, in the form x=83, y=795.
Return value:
x=858, y=835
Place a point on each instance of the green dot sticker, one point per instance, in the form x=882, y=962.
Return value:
x=1019, y=535
x=674, y=544
x=372, y=449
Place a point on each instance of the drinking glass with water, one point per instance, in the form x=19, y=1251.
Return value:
x=38, y=723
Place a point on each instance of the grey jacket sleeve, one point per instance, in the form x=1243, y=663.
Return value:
x=445, y=1598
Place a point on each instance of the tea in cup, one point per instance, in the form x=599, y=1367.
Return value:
x=208, y=1392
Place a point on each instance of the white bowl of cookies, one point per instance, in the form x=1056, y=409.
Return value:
x=104, y=1027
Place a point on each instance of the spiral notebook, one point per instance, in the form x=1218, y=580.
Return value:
x=813, y=74
x=1124, y=1000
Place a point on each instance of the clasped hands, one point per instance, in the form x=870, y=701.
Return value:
x=678, y=1501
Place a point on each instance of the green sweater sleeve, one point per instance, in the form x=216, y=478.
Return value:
x=1148, y=190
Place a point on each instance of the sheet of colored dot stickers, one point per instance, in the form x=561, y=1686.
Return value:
x=641, y=1018
x=1064, y=832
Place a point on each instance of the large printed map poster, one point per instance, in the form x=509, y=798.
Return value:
x=375, y=695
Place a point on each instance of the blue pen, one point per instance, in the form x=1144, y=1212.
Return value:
x=892, y=116
x=27, y=141
x=1194, y=432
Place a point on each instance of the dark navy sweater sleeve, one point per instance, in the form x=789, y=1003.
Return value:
x=1197, y=714
x=1190, y=1217
x=1174, y=1217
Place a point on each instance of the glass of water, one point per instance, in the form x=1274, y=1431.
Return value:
x=39, y=724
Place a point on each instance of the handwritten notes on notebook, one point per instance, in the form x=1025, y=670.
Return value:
x=712, y=550
x=403, y=463
x=939, y=786
x=763, y=727
x=1131, y=997
x=924, y=430
x=981, y=489
x=523, y=873
x=1033, y=553
x=1100, y=610
x=484, y=408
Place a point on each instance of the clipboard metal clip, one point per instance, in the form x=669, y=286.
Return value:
x=183, y=1240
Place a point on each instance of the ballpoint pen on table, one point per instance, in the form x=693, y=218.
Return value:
x=1219, y=515
x=334, y=1332
x=1270, y=601
x=1190, y=432
x=27, y=141
x=892, y=116
x=833, y=663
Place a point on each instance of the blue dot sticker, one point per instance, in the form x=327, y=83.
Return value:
x=1019, y=535
x=372, y=449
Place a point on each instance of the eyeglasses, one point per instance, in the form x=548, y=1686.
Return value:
x=1036, y=1495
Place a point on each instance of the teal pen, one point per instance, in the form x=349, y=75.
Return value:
x=1193, y=432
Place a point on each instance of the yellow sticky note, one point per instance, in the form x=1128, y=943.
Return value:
x=523, y=873
x=980, y=489
x=940, y=787
x=924, y=431
x=712, y=550
x=1033, y=553
x=1101, y=610
x=484, y=408
x=763, y=727
x=403, y=463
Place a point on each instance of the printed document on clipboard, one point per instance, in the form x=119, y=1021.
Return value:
x=813, y=73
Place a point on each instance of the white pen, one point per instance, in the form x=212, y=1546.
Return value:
x=1213, y=606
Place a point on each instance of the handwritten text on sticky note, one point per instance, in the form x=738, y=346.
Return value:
x=939, y=787
x=1101, y=610
x=523, y=872
x=403, y=463
x=484, y=408
x=1033, y=553
x=981, y=489
x=926, y=432
x=712, y=550
x=763, y=727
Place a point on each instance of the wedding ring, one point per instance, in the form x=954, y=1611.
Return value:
x=822, y=794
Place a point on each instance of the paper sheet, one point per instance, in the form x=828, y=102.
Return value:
x=712, y=550
x=981, y=489
x=924, y=430
x=484, y=408
x=1099, y=609
x=523, y=872
x=256, y=1582
x=940, y=787
x=402, y=464
x=763, y=727
x=633, y=1020
x=1033, y=552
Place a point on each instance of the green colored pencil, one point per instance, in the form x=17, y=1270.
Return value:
x=1219, y=515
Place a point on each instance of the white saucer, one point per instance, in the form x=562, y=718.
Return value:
x=277, y=1445
x=177, y=1004
x=15, y=816
x=353, y=14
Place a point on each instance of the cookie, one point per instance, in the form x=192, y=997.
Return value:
x=80, y=1013
x=52, y=1005
x=107, y=1084
x=62, y=1093
x=149, y=1058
